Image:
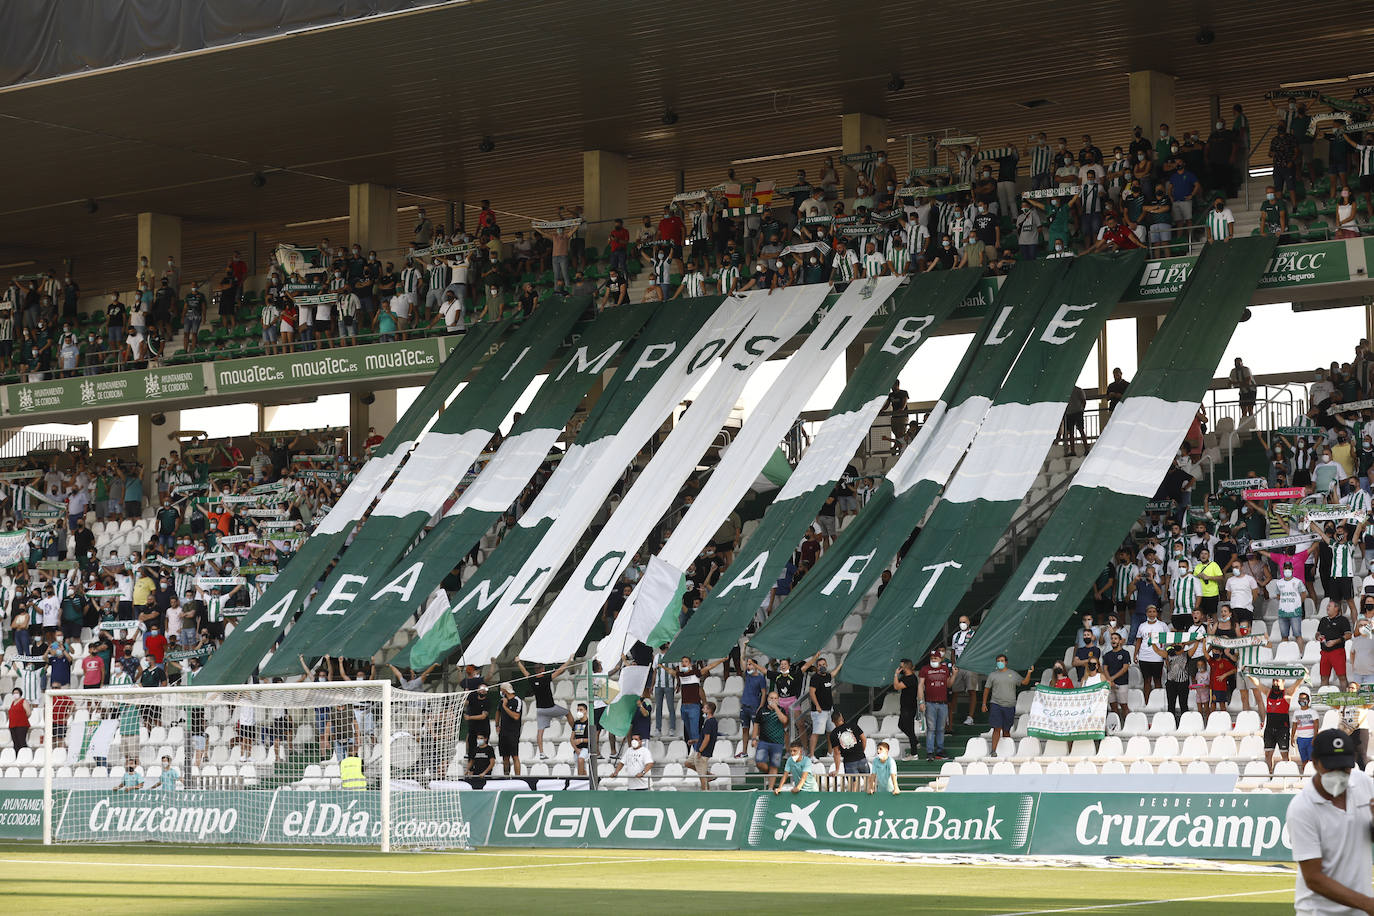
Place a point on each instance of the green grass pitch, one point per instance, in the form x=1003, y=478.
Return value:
x=105, y=879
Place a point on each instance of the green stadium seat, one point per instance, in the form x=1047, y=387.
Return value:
x=1328, y=208
x=205, y=337
x=1306, y=211
x=1317, y=231
x=593, y=254
x=1255, y=231
x=1321, y=187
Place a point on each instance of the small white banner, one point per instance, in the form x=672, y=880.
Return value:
x=1069, y=715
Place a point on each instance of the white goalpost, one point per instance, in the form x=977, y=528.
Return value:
x=332, y=762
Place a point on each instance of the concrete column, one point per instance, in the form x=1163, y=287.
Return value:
x=605, y=192
x=858, y=130
x=1145, y=328
x=153, y=446
x=381, y=413
x=1152, y=101
x=372, y=219
x=159, y=235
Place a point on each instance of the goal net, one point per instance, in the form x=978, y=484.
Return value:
x=344, y=762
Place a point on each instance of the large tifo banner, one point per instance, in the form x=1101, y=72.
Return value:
x=780, y=315
x=435, y=467
x=1127, y=463
x=996, y=474
x=1071, y=714
x=1243, y=827
x=751, y=449
x=852, y=565
x=916, y=313
x=234, y=664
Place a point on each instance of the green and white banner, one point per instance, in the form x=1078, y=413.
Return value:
x=14, y=547
x=1071, y=714
x=1128, y=462
x=852, y=564
x=244, y=648
x=917, y=312
x=779, y=315
x=435, y=467
x=627, y=414
x=383, y=599
x=996, y=474
x=1282, y=672
x=752, y=448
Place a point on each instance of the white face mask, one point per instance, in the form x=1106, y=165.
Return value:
x=1288, y=573
x=882, y=754
x=963, y=624
x=1335, y=781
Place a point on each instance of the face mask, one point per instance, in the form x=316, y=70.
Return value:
x=1288, y=573
x=945, y=244
x=1173, y=149
x=1335, y=781
x=963, y=624
x=1058, y=247
x=634, y=743
x=1001, y=665
x=882, y=754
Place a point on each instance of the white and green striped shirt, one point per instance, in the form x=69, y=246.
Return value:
x=844, y=267
x=1183, y=592
x=439, y=274
x=898, y=257
x=1124, y=577
x=728, y=278
x=1040, y=156
x=1217, y=222
x=1342, y=559
x=410, y=280
x=693, y=283
x=1358, y=501
x=873, y=264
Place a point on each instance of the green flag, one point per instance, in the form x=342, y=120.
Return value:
x=1130, y=458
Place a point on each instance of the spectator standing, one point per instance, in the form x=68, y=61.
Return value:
x=999, y=698
x=1147, y=640
x=933, y=696
x=1304, y=725
x=546, y=710
x=906, y=681
x=751, y=701
x=1244, y=381
x=637, y=763
x=708, y=733
x=770, y=729
x=665, y=691
x=1333, y=632
x=508, y=729
x=18, y=713
x=847, y=747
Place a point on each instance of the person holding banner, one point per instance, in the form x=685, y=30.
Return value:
x=1277, y=703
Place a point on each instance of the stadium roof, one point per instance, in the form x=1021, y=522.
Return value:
x=404, y=100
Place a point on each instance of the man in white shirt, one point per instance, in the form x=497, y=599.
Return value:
x=1241, y=589
x=452, y=312
x=1329, y=829
x=637, y=764
x=1146, y=655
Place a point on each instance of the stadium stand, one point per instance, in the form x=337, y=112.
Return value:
x=113, y=577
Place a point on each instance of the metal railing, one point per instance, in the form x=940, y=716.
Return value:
x=20, y=442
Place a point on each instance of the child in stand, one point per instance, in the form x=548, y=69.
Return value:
x=1202, y=687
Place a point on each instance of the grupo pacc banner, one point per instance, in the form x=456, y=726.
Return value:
x=1070, y=714
x=1127, y=463
x=916, y=313
x=246, y=648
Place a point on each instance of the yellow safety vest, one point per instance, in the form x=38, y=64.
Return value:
x=351, y=773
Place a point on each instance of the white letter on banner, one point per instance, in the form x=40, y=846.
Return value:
x=511, y=367
x=908, y=331
x=993, y=338
x=341, y=593
x=652, y=356
x=1043, y=575
x=403, y=585
x=749, y=577
x=1061, y=321
x=935, y=571
x=583, y=364
x=849, y=572
x=276, y=614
